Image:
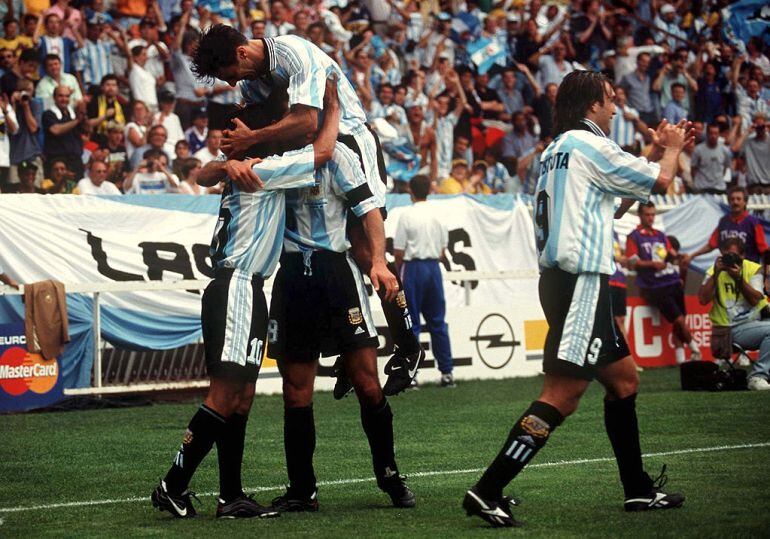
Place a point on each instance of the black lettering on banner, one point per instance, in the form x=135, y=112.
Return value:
x=459, y=239
x=179, y=262
x=541, y=219
x=202, y=259
x=102, y=265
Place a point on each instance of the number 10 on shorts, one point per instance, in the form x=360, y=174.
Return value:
x=255, y=353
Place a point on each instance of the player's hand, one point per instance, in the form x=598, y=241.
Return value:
x=381, y=277
x=242, y=174
x=236, y=141
x=718, y=266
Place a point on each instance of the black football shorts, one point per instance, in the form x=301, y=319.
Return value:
x=234, y=324
x=582, y=333
x=321, y=308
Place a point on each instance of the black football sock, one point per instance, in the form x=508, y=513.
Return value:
x=623, y=432
x=378, y=426
x=398, y=318
x=230, y=456
x=528, y=435
x=299, y=445
x=204, y=429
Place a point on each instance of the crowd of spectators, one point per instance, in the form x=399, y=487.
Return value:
x=97, y=96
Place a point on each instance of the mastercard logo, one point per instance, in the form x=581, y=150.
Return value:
x=21, y=371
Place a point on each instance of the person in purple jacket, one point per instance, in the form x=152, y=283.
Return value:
x=650, y=253
x=737, y=224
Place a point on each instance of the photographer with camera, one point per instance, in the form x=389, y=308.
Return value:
x=733, y=285
x=152, y=177
x=25, y=144
x=650, y=253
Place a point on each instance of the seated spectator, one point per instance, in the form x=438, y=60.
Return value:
x=190, y=168
x=459, y=182
x=61, y=127
x=117, y=160
x=181, y=154
x=135, y=134
x=156, y=140
x=497, y=177
x=733, y=286
x=151, y=176
x=211, y=151
x=711, y=160
x=143, y=83
x=27, y=177
x=737, y=224
x=519, y=141
x=754, y=143
x=676, y=110
x=105, y=107
x=196, y=134
x=167, y=118
x=61, y=181
x=384, y=107
x=53, y=42
x=13, y=41
x=96, y=182
x=26, y=68
x=55, y=77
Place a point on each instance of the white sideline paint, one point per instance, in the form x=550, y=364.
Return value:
x=109, y=501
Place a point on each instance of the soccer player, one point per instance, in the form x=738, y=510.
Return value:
x=319, y=306
x=581, y=173
x=245, y=251
x=297, y=65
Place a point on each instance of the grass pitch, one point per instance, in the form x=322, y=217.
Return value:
x=89, y=474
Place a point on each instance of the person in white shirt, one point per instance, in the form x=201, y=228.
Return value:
x=211, y=150
x=152, y=177
x=143, y=83
x=9, y=125
x=167, y=118
x=419, y=244
x=95, y=183
x=190, y=169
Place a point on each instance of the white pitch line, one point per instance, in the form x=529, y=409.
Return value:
x=110, y=501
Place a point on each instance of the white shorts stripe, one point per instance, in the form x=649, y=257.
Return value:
x=578, y=326
x=363, y=298
x=238, y=322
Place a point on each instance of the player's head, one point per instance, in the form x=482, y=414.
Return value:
x=737, y=196
x=420, y=187
x=647, y=214
x=222, y=54
x=261, y=116
x=584, y=94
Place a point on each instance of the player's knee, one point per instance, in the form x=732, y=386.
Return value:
x=623, y=387
x=224, y=396
x=296, y=396
x=246, y=399
x=369, y=394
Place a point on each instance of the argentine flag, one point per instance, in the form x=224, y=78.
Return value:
x=465, y=27
x=485, y=53
x=746, y=19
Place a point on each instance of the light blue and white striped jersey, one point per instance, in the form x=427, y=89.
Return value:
x=249, y=232
x=445, y=127
x=316, y=217
x=622, y=131
x=581, y=173
x=302, y=68
x=94, y=59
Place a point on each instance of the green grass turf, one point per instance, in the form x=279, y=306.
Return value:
x=120, y=453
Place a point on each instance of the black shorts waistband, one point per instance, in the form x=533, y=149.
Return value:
x=226, y=273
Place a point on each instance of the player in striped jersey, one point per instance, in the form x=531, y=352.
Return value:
x=245, y=251
x=582, y=172
x=297, y=65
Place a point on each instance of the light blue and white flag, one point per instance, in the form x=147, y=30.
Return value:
x=465, y=27
x=485, y=53
x=744, y=20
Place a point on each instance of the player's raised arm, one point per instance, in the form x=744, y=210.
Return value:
x=323, y=147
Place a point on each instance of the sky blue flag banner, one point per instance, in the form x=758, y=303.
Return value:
x=465, y=27
x=485, y=53
x=746, y=19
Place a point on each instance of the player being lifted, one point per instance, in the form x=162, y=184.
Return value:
x=299, y=67
x=245, y=251
x=581, y=174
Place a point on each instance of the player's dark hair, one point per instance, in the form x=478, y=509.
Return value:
x=577, y=92
x=216, y=49
x=729, y=242
x=420, y=186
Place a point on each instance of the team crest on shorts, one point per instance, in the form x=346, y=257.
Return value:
x=354, y=316
x=401, y=300
x=535, y=426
